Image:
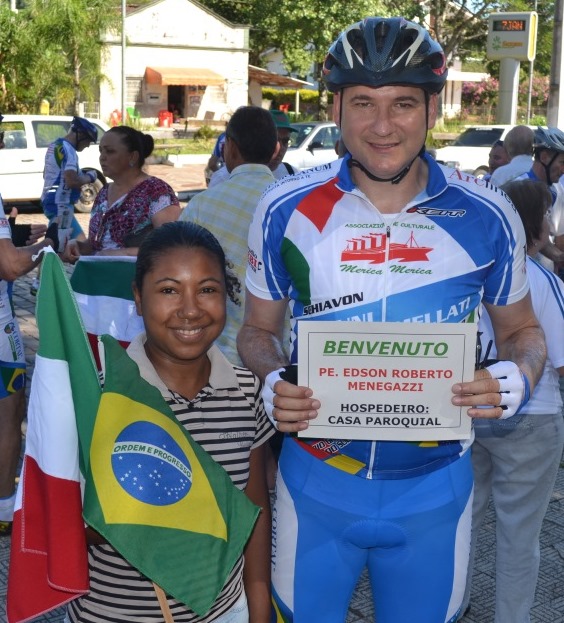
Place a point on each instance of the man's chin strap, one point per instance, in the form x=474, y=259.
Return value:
x=394, y=180
x=547, y=168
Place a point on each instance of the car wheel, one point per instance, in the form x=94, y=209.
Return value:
x=88, y=193
x=480, y=172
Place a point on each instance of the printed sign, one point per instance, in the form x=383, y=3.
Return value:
x=386, y=381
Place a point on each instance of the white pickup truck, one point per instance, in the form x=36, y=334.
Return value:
x=26, y=138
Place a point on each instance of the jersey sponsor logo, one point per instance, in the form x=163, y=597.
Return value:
x=375, y=249
x=455, y=212
x=342, y=301
x=254, y=263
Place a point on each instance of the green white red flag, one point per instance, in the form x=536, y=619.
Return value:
x=48, y=558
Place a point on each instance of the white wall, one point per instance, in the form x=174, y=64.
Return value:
x=176, y=33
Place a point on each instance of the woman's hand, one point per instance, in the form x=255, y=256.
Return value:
x=71, y=252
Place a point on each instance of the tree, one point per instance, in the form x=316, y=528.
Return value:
x=71, y=34
x=305, y=30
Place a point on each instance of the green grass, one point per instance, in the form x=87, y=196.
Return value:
x=183, y=146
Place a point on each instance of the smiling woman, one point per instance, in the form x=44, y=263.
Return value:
x=181, y=285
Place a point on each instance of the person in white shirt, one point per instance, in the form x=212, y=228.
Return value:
x=279, y=168
x=519, y=146
x=516, y=460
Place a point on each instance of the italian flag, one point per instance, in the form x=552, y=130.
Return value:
x=102, y=288
x=48, y=560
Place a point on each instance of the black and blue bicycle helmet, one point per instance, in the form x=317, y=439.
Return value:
x=80, y=125
x=381, y=51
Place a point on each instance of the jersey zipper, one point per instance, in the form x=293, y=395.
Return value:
x=373, y=444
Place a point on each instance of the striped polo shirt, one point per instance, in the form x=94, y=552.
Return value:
x=227, y=419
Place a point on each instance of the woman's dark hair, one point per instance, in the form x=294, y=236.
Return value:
x=135, y=140
x=531, y=199
x=185, y=235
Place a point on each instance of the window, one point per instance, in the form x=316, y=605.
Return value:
x=47, y=131
x=134, y=90
x=14, y=135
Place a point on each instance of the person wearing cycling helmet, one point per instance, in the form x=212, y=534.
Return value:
x=63, y=178
x=548, y=167
x=400, y=508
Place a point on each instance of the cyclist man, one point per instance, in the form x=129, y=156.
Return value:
x=402, y=509
x=63, y=178
x=548, y=167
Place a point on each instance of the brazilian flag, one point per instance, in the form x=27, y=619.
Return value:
x=161, y=501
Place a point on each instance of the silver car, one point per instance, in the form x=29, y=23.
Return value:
x=313, y=144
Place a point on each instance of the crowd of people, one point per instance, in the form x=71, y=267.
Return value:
x=224, y=287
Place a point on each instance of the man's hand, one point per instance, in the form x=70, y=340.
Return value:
x=497, y=392
x=20, y=233
x=288, y=406
x=92, y=175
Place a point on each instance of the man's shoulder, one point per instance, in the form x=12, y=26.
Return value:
x=303, y=182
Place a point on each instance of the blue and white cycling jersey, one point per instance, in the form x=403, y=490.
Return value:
x=319, y=241
x=61, y=156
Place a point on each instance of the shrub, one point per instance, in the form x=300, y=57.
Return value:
x=205, y=133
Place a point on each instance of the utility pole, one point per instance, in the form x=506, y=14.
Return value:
x=555, y=112
x=123, y=81
x=531, y=74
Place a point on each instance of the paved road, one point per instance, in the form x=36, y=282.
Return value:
x=549, y=604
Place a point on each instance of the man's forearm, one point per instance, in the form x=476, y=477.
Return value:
x=260, y=350
x=526, y=348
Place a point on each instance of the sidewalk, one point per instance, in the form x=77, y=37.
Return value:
x=549, y=604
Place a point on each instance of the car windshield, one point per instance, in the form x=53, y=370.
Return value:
x=303, y=131
x=478, y=137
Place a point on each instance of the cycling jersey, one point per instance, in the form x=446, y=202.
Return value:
x=318, y=240
x=61, y=156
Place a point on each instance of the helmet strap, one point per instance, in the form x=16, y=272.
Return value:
x=396, y=179
x=547, y=168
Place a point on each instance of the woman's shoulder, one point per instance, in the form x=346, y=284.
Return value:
x=157, y=183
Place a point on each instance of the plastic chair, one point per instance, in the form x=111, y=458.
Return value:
x=133, y=114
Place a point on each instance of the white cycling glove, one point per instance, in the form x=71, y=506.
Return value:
x=92, y=175
x=290, y=374
x=513, y=386
x=268, y=394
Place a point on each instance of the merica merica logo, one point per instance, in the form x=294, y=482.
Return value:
x=372, y=247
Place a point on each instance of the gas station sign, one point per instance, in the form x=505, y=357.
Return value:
x=512, y=35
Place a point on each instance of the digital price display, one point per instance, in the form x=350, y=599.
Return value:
x=512, y=35
x=509, y=25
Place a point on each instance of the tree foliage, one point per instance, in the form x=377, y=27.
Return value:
x=305, y=30
x=64, y=66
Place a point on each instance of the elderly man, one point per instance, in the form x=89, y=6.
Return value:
x=226, y=209
x=519, y=146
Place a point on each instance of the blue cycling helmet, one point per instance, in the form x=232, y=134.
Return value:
x=381, y=51
x=549, y=138
x=82, y=126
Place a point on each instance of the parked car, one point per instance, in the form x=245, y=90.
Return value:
x=470, y=151
x=26, y=138
x=313, y=144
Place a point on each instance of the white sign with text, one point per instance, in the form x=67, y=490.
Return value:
x=386, y=380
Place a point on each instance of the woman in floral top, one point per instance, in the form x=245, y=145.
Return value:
x=131, y=205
